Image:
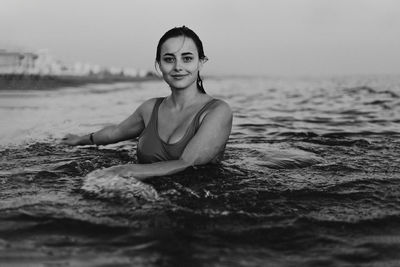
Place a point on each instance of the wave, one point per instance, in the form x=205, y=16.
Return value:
x=25, y=223
x=386, y=221
x=104, y=185
x=274, y=157
x=370, y=90
x=331, y=139
x=344, y=138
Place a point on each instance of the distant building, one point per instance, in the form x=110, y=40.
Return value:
x=16, y=62
x=130, y=72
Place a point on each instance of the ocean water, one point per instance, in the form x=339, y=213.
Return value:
x=311, y=177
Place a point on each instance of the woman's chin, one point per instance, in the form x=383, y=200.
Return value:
x=180, y=84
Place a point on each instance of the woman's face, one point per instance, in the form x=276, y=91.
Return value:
x=179, y=62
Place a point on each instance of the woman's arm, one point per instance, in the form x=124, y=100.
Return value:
x=127, y=129
x=208, y=142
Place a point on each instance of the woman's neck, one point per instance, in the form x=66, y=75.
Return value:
x=182, y=98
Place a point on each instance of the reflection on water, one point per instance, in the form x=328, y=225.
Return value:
x=310, y=178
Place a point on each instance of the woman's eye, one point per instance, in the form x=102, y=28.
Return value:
x=169, y=59
x=187, y=59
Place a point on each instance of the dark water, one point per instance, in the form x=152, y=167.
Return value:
x=311, y=177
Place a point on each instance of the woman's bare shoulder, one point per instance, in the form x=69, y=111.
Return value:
x=219, y=108
x=147, y=106
x=220, y=105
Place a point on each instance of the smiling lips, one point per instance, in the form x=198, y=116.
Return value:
x=178, y=76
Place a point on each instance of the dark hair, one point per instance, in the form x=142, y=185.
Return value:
x=185, y=32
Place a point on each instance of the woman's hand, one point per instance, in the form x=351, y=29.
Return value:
x=71, y=139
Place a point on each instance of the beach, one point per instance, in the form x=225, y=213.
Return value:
x=310, y=177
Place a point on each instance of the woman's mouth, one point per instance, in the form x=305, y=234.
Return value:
x=178, y=76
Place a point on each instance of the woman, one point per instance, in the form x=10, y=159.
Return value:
x=184, y=129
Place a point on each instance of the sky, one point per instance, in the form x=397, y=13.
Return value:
x=240, y=37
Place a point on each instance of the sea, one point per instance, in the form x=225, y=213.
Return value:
x=310, y=177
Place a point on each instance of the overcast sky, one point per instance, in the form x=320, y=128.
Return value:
x=247, y=37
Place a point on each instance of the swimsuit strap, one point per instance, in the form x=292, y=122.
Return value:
x=154, y=114
x=196, y=118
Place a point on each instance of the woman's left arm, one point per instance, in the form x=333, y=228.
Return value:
x=207, y=143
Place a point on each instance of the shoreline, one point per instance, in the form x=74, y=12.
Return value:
x=49, y=82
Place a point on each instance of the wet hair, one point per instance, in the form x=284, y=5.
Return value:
x=185, y=32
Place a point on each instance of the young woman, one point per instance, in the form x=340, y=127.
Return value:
x=184, y=129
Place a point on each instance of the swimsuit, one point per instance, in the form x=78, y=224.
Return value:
x=151, y=148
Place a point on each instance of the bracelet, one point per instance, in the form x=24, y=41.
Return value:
x=91, y=138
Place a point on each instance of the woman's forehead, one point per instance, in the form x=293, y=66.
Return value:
x=178, y=45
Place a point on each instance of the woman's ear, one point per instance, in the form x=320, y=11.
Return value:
x=202, y=62
x=157, y=67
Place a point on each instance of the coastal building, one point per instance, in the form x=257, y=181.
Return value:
x=46, y=64
x=16, y=62
x=131, y=72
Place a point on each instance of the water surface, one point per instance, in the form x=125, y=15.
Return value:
x=311, y=177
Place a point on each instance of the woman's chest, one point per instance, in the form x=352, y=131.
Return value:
x=172, y=126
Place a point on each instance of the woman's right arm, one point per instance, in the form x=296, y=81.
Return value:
x=128, y=129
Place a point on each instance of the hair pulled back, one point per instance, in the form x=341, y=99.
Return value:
x=186, y=32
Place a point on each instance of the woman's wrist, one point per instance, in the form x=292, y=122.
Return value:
x=126, y=170
x=84, y=140
x=91, y=139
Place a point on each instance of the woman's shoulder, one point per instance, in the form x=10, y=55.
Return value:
x=218, y=108
x=147, y=106
x=220, y=105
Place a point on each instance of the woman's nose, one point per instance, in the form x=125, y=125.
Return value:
x=178, y=65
